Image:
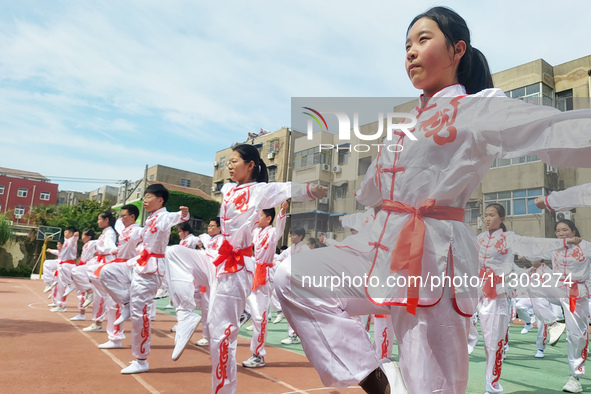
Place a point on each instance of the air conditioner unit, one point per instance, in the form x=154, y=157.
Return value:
x=551, y=169
x=568, y=215
x=215, y=164
x=324, y=200
x=18, y=215
x=214, y=189
x=329, y=234
x=271, y=155
x=325, y=167
x=336, y=169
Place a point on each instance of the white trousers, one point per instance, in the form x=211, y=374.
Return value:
x=432, y=344
x=188, y=268
x=49, y=268
x=64, y=278
x=383, y=336
x=494, y=323
x=258, y=302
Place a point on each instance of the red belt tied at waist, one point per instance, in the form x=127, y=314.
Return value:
x=145, y=256
x=65, y=262
x=573, y=294
x=489, y=287
x=408, y=250
x=81, y=263
x=97, y=272
x=260, y=275
x=234, y=258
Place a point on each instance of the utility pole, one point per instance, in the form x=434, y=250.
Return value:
x=144, y=190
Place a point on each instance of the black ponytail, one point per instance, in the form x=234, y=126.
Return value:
x=473, y=71
x=249, y=153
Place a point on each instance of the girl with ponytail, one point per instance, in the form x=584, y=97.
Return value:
x=228, y=273
x=461, y=125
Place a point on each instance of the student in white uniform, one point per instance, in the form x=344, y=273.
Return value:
x=265, y=238
x=50, y=273
x=88, y=251
x=230, y=275
x=116, y=276
x=462, y=127
x=148, y=269
x=64, y=268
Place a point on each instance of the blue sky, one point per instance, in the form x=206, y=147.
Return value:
x=100, y=89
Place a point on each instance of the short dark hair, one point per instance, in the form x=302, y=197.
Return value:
x=270, y=213
x=158, y=190
x=298, y=231
x=71, y=229
x=283, y=247
x=185, y=226
x=90, y=232
x=132, y=210
x=216, y=220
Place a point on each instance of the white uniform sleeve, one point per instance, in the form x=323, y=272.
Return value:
x=280, y=226
x=119, y=226
x=330, y=241
x=511, y=128
x=277, y=192
x=573, y=197
x=535, y=248
x=354, y=220
x=109, y=244
x=171, y=219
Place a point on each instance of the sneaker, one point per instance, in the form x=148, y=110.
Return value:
x=110, y=345
x=384, y=379
x=185, y=329
x=539, y=354
x=58, y=309
x=202, y=342
x=173, y=328
x=88, y=300
x=169, y=306
x=244, y=318
x=161, y=293
x=69, y=289
x=125, y=313
x=254, y=362
x=49, y=287
x=53, y=304
x=291, y=340
x=555, y=330
x=527, y=328
x=573, y=385
x=250, y=328
x=78, y=318
x=280, y=317
x=136, y=366
x=93, y=328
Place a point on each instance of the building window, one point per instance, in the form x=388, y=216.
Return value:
x=272, y=173
x=1, y=189
x=62, y=200
x=274, y=145
x=537, y=94
x=472, y=212
x=186, y=182
x=19, y=211
x=564, y=100
x=152, y=177
x=259, y=147
x=499, y=162
x=44, y=196
x=312, y=156
x=340, y=191
x=516, y=202
x=139, y=193
x=222, y=163
x=364, y=164
x=22, y=193
x=343, y=157
x=218, y=186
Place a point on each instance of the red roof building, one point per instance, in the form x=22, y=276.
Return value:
x=21, y=190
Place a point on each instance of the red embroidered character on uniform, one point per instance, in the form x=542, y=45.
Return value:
x=501, y=245
x=146, y=328
x=241, y=200
x=578, y=253
x=221, y=371
x=440, y=121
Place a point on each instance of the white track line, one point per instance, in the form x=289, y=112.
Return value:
x=107, y=352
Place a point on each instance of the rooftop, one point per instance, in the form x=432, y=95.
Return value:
x=22, y=174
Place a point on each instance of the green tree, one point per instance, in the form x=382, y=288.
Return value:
x=82, y=216
x=5, y=230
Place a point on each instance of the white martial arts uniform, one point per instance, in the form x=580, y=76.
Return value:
x=230, y=274
x=424, y=188
x=88, y=251
x=50, y=266
x=572, y=262
x=564, y=200
x=265, y=241
x=64, y=268
x=116, y=275
x=148, y=269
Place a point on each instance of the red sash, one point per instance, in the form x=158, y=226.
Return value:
x=489, y=288
x=145, y=256
x=68, y=262
x=260, y=275
x=97, y=272
x=234, y=258
x=81, y=263
x=408, y=250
